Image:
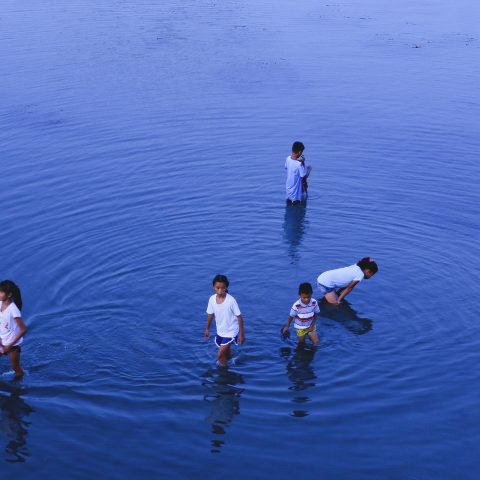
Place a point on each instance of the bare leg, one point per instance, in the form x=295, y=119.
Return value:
x=331, y=297
x=15, y=361
x=301, y=341
x=223, y=355
x=314, y=338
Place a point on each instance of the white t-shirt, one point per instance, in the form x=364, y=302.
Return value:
x=341, y=277
x=295, y=172
x=303, y=313
x=9, y=328
x=225, y=315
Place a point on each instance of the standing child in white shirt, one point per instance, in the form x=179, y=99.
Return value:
x=304, y=313
x=228, y=319
x=345, y=279
x=12, y=328
x=297, y=173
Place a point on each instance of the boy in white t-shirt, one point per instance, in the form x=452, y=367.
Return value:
x=304, y=313
x=228, y=319
x=336, y=284
x=297, y=173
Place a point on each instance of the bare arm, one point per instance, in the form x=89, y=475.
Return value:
x=209, y=322
x=287, y=325
x=20, y=334
x=314, y=321
x=347, y=290
x=241, y=334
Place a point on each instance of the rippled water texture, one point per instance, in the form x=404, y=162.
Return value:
x=142, y=152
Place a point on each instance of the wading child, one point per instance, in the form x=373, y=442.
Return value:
x=228, y=319
x=297, y=173
x=304, y=313
x=12, y=328
x=344, y=279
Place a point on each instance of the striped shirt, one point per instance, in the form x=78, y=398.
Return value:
x=303, y=313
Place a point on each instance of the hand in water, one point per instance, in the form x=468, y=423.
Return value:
x=284, y=333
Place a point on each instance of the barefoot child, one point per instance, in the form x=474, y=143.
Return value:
x=12, y=328
x=304, y=312
x=228, y=319
x=332, y=281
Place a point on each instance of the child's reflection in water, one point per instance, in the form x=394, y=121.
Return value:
x=294, y=226
x=301, y=375
x=224, y=397
x=13, y=410
x=346, y=316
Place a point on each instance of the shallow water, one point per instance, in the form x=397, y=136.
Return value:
x=142, y=153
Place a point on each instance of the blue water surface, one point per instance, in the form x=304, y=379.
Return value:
x=142, y=152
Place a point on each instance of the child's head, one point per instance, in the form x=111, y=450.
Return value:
x=220, y=284
x=305, y=291
x=10, y=291
x=298, y=148
x=368, y=266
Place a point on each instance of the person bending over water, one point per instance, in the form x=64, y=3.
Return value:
x=304, y=313
x=12, y=328
x=332, y=281
x=228, y=319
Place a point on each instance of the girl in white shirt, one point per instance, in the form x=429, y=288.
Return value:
x=12, y=328
x=345, y=279
x=228, y=319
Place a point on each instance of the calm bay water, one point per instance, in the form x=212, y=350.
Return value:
x=142, y=151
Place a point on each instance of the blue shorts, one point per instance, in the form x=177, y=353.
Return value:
x=324, y=290
x=221, y=341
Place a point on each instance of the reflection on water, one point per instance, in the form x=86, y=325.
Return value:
x=301, y=375
x=294, y=226
x=13, y=410
x=224, y=398
x=346, y=316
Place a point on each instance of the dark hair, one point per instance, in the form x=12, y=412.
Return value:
x=368, y=263
x=221, y=279
x=305, y=288
x=298, y=147
x=8, y=287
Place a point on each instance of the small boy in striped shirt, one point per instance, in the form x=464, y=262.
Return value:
x=304, y=313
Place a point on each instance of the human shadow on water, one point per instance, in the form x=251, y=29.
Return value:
x=346, y=316
x=294, y=226
x=300, y=373
x=13, y=410
x=223, y=394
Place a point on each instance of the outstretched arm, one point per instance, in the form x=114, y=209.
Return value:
x=347, y=290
